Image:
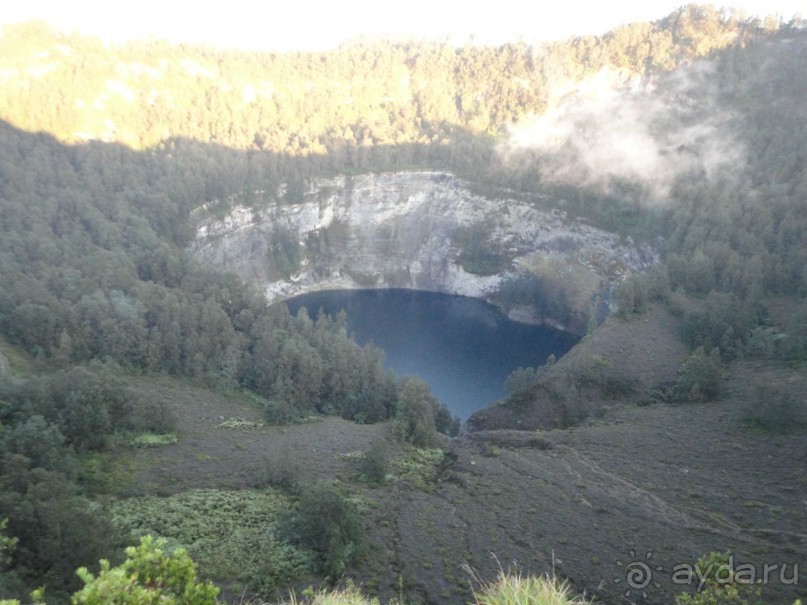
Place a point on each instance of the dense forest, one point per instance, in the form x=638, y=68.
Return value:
x=106, y=150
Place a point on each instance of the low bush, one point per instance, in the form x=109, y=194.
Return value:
x=775, y=409
x=719, y=584
x=597, y=372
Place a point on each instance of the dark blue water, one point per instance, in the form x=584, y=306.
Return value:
x=463, y=347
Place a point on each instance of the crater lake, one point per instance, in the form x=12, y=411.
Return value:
x=464, y=348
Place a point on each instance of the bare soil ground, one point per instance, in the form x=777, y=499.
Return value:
x=208, y=456
x=658, y=485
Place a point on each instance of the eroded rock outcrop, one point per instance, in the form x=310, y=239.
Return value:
x=421, y=230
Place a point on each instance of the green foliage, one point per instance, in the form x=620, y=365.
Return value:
x=415, y=416
x=375, y=464
x=285, y=253
x=326, y=523
x=280, y=469
x=37, y=598
x=776, y=409
x=521, y=379
x=229, y=534
x=419, y=467
x=700, y=377
x=420, y=416
x=722, y=320
x=479, y=255
x=94, y=237
x=7, y=544
x=544, y=294
x=719, y=584
x=149, y=575
x=519, y=384
x=348, y=594
x=631, y=296
x=58, y=529
x=151, y=440
x=87, y=404
x=597, y=371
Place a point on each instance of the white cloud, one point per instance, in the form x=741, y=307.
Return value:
x=612, y=127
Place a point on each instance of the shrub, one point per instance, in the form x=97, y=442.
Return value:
x=280, y=411
x=719, y=585
x=151, y=440
x=280, y=469
x=149, y=575
x=520, y=379
x=326, y=523
x=375, y=465
x=775, y=409
x=700, y=377
x=596, y=371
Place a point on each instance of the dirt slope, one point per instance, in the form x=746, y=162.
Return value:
x=658, y=485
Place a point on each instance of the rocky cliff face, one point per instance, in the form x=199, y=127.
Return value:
x=420, y=230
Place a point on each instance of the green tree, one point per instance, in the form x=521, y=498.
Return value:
x=326, y=523
x=58, y=529
x=631, y=296
x=520, y=379
x=375, y=465
x=7, y=544
x=415, y=415
x=700, y=377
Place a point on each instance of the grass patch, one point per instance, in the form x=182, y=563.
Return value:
x=419, y=467
x=515, y=589
x=241, y=424
x=151, y=440
x=345, y=595
x=351, y=456
x=230, y=534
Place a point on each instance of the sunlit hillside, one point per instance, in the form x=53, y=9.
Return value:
x=339, y=102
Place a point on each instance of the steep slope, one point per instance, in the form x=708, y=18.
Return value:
x=427, y=231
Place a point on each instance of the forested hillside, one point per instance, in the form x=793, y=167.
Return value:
x=340, y=103
x=106, y=150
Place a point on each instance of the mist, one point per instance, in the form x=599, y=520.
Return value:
x=613, y=128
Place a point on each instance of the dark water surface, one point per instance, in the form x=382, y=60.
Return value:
x=463, y=347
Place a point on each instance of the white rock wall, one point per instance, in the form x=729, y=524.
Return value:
x=398, y=230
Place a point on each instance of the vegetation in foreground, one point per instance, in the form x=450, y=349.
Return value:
x=153, y=574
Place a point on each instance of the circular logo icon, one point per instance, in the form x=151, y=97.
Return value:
x=637, y=575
